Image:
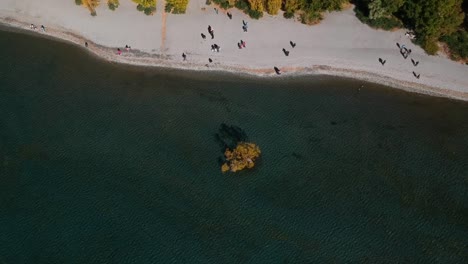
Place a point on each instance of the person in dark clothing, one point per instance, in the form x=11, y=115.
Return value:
x=210, y=60
x=86, y=44
x=277, y=70
x=382, y=61
x=203, y=36
x=292, y=44
x=285, y=52
x=184, y=56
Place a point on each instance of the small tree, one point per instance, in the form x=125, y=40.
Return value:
x=256, y=5
x=273, y=6
x=432, y=19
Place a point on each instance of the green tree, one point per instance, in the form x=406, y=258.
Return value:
x=432, y=19
x=273, y=6
x=383, y=8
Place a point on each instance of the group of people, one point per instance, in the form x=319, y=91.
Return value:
x=33, y=27
x=241, y=44
x=119, y=52
x=405, y=52
x=215, y=47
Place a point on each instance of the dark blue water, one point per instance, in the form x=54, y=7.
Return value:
x=104, y=163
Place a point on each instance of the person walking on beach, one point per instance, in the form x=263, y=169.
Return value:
x=216, y=10
x=229, y=15
x=42, y=28
x=285, y=52
x=86, y=44
x=278, y=71
x=203, y=36
x=242, y=43
x=382, y=61
x=211, y=31
x=119, y=51
x=184, y=56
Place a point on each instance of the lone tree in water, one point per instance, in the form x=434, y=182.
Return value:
x=241, y=157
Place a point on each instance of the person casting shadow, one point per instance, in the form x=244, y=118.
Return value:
x=277, y=70
x=382, y=61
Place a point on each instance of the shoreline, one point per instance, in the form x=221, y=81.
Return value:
x=143, y=58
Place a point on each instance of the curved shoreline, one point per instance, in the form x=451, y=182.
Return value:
x=144, y=59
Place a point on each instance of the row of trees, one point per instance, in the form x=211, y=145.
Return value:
x=146, y=6
x=309, y=11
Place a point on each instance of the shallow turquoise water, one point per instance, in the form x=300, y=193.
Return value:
x=110, y=164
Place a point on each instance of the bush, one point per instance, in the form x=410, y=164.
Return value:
x=310, y=17
x=78, y=2
x=430, y=46
x=386, y=23
x=208, y=2
x=168, y=7
x=149, y=10
x=113, y=4
x=224, y=5
x=242, y=5
x=288, y=15
x=93, y=13
x=140, y=7
x=255, y=14
x=458, y=44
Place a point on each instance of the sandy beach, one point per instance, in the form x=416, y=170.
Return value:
x=340, y=45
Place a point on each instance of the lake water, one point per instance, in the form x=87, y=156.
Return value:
x=103, y=163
